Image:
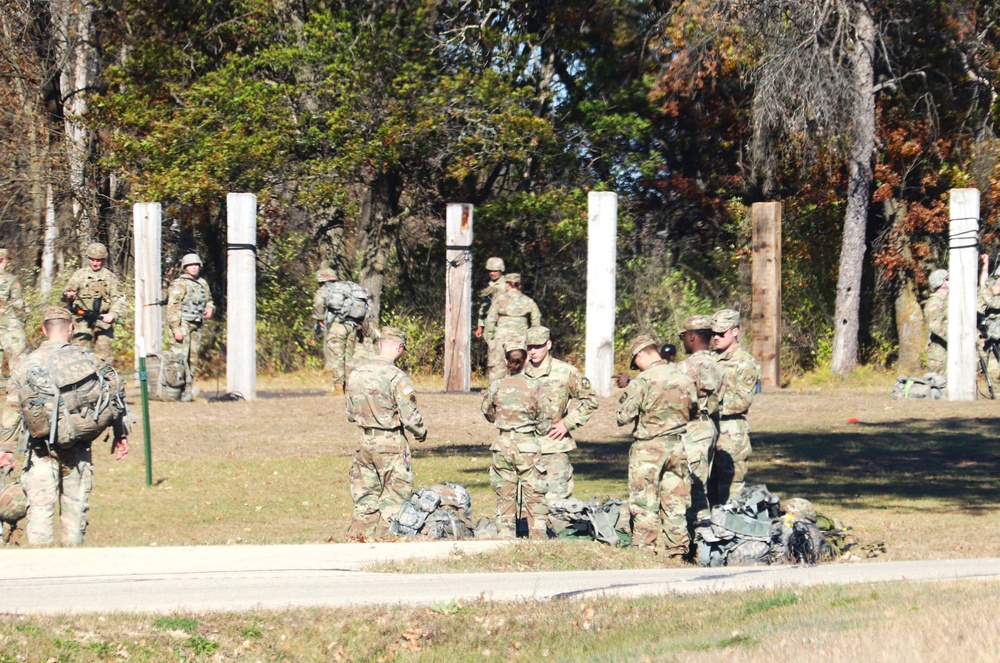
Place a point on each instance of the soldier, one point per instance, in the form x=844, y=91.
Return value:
x=561, y=384
x=509, y=317
x=382, y=402
x=340, y=331
x=702, y=432
x=660, y=401
x=740, y=374
x=96, y=300
x=12, y=313
x=495, y=268
x=936, y=314
x=988, y=308
x=515, y=406
x=54, y=473
x=189, y=304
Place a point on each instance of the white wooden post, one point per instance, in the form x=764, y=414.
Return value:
x=147, y=233
x=602, y=238
x=458, y=298
x=963, y=262
x=241, y=295
x=765, y=300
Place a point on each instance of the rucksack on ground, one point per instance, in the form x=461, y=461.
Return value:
x=931, y=385
x=600, y=521
x=441, y=511
x=165, y=373
x=345, y=301
x=73, y=397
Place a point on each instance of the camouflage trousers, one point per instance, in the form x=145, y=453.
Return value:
x=188, y=348
x=12, y=344
x=729, y=466
x=381, y=480
x=338, y=351
x=937, y=359
x=67, y=479
x=557, y=482
x=495, y=359
x=96, y=337
x=515, y=466
x=699, y=447
x=659, y=494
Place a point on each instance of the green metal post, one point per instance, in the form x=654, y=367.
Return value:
x=145, y=419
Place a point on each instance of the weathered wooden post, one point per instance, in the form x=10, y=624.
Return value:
x=458, y=298
x=765, y=313
x=241, y=295
x=963, y=262
x=147, y=233
x=602, y=239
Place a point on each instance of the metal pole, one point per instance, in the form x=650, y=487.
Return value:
x=144, y=388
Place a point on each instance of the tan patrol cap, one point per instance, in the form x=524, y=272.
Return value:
x=638, y=344
x=514, y=344
x=537, y=336
x=696, y=323
x=725, y=320
x=56, y=313
x=4, y=253
x=513, y=278
x=392, y=334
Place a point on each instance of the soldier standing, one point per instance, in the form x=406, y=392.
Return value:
x=508, y=319
x=561, y=385
x=495, y=268
x=53, y=473
x=382, y=402
x=189, y=304
x=702, y=432
x=936, y=314
x=660, y=401
x=12, y=312
x=740, y=374
x=96, y=299
x=515, y=406
x=340, y=309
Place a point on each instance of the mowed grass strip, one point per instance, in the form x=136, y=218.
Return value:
x=919, y=476
x=891, y=622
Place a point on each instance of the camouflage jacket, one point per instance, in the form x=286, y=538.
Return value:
x=380, y=396
x=89, y=285
x=660, y=400
x=740, y=374
x=12, y=306
x=704, y=370
x=516, y=404
x=187, y=299
x=936, y=314
x=561, y=383
x=319, y=303
x=512, y=313
x=488, y=295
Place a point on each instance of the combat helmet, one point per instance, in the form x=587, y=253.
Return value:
x=97, y=251
x=325, y=274
x=190, y=259
x=798, y=507
x=495, y=264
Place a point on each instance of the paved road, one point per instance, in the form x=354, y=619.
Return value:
x=222, y=578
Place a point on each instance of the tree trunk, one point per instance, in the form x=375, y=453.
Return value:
x=852, y=253
x=910, y=327
x=377, y=234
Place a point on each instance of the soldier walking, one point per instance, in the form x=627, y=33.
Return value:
x=340, y=308
x=660, y=401
x=508, y=319
x=53, y=473
x=189, y=305
x=702, y=431
x=568, y=401
x=936, y=314
x=382, y=402
x=12, y=313
x=495, y=267
x=740, y=374
x=96, y=299
x=514, y=404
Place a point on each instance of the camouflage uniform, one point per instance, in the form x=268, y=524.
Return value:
x=515, y=406
x=740, y=374
x=89, y=285
x=339, y=340
x=187, y=300
x=660, y=401
x=508, y=319
x=936, y=314
x=488, y=296
x=382, y=402
x=12, y=312
x=702, y=432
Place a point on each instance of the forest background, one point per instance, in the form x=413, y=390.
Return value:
x=355, y=123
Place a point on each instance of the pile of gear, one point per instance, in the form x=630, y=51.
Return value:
x=756, y=528
x=931, y=385
x=13, y=505
x=441, y=511
x=572, y=518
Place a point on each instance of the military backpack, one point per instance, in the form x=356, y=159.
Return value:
x=931, y=385
x=345, y=301
x=441, y=511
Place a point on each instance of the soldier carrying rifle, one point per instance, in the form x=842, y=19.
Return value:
x=95, y=299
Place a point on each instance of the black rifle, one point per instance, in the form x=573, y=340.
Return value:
x=318, y=330
x=91, y=316
x=989, y=346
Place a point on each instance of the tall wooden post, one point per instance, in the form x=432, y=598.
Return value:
x=241, y=295
x=963, y=262
x=765, y=313
x=602, y=239
x=147, y=232
x=458, y=298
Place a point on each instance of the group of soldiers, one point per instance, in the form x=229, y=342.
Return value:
x=691, y=443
